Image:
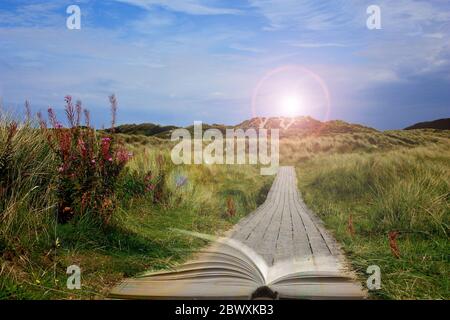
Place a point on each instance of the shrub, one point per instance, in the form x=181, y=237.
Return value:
x=89, y=165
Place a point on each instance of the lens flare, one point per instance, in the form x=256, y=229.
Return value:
x=290, y=105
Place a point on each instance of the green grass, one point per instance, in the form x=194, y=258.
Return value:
x=404, y=189
x=35, y=251
x=387, y=181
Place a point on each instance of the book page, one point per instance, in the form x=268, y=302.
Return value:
x=307, y=267
x=237, y=250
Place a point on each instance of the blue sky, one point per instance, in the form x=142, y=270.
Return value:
x=173, y=62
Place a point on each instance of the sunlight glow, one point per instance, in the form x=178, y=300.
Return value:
x=290, y=105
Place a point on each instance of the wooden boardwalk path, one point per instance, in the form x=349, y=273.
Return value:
x=283, y=228
x=287, y=236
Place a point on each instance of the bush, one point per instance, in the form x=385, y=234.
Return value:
x=89, y=165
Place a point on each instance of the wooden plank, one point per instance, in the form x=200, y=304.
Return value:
x=283, y=227
x=285, y=242
x=302, y=248
x=243, y=230
x=262, y=239
x=258, y=230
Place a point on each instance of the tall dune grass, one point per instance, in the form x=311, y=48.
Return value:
x=155, y=196
x=301, y=149
x=205, y=188
x=27, y=173
x=403, y=189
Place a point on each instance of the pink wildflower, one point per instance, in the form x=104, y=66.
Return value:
x=82, y=147
x=123, y=156
x=106, y=143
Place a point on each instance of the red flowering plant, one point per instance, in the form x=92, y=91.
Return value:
x=90, y=164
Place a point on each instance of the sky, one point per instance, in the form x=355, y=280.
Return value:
x=216, y=61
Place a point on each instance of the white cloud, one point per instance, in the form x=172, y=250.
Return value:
x=308, y=14
x=240, y=47
x=90, y=64
x=398, y=15
x=316, y=44
x=413, y=15
x=42, y=14
x=194, y=7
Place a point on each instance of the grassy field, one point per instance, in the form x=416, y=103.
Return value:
x=35, y=250
x=378, y=183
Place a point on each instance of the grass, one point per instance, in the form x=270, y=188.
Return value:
x=26, y=171
x=393, y=188
x=386, y=181
x=139, y=239
x=35, y=251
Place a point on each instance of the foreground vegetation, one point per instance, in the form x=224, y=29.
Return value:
x=369, y=191
x=148, y=198
x=139, y=238
x=367, y=186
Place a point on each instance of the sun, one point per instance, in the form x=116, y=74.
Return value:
x=290, y=105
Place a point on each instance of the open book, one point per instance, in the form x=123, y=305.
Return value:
x=230, y=270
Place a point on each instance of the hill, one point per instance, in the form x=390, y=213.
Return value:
x=146, y=129
x=303, y=126
x=440, y=124
x=289, y=127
